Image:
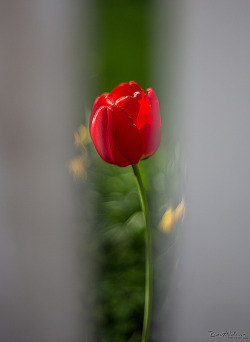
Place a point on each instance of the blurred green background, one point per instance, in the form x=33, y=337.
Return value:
x=120, y=51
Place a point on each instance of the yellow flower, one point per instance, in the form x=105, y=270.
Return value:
x=171, y=217
x=77, y=168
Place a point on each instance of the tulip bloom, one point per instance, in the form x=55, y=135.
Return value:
x=125, y=125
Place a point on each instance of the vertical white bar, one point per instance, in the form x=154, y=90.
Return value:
x=212, y=74
x=39, y=293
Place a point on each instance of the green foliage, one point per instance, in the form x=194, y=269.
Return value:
x=119, y=291
x=118, y=248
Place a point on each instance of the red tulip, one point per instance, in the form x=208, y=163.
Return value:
x=125, y=125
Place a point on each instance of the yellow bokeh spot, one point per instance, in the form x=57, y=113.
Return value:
x=77, y=168
x=81, y=136
x=171, y=217
x=180, y=211
x=167, y=221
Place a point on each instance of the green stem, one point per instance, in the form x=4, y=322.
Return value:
x=148, y=257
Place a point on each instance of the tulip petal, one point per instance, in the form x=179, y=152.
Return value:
x=130, y=104
x=154, y=104
x=99, y=131
x=103, y=100
x=148, y=141
x=135, y=86
x=145, y=116
x=121, y=90
x=126, y=139
x=115, y=137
